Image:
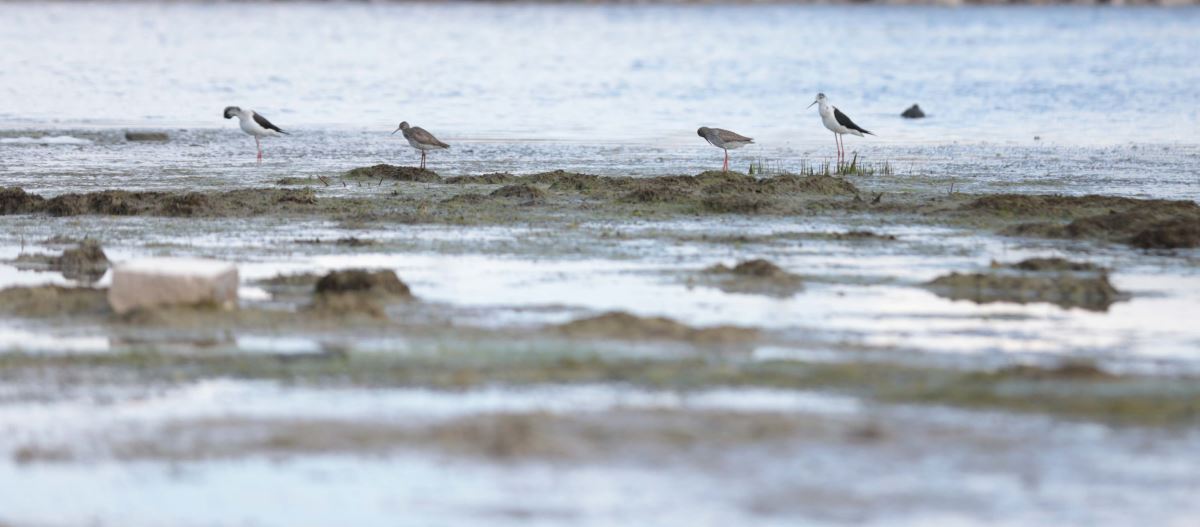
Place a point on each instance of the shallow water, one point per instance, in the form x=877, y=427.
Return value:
x=606, y=89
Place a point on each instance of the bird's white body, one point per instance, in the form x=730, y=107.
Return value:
x=830, y=122
x=248, y=125
x=423, y=146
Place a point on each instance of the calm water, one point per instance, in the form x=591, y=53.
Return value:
x=608, y=73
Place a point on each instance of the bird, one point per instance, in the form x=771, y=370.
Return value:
x=725, y=140
x=420, y=139
x=254, y=124
x=838, y=123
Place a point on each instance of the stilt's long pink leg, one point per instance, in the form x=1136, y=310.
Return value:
x=725, y=167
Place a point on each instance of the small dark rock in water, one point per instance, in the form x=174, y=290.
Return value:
x=382, y=282
x=146, y=136
x=913, y=112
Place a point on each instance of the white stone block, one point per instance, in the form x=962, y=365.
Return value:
x=158, y=282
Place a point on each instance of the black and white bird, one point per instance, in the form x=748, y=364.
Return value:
x=420, y=139
x=838, y=123
x=253, y=124
x=725, y=140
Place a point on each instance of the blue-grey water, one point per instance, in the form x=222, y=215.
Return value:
x=1105, y=99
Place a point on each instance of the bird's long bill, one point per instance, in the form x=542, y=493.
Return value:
x=397, y=130
x=810, y=106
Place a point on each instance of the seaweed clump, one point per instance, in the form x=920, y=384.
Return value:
x=756, y=276
x=624, y=326
x=1055, y=281
x=1142, y=223
x=384, y=171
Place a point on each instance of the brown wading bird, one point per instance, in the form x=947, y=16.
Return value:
x=420, y=139
x=725, y=140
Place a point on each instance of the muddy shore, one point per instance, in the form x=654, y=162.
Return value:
x=424, y=197
x=637, y=289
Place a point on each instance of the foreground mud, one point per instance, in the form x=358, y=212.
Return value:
x=1070, y=390
x=1147, y=224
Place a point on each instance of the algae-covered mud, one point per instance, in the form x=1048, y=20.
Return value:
x=710, y=339
x=569, y=318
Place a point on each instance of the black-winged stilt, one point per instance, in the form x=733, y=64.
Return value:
x=725, y=140
x=420, y=139
x=838, y=123
x=253, y=124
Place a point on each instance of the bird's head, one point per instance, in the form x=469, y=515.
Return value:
x=232, y=111
x=820, y=99
x=403, y=126
x=701, y=131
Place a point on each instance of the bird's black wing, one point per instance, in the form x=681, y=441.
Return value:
x=263, y=122
x=845, y=121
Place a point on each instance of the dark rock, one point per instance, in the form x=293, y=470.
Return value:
x=146, y=136
x=913, y=112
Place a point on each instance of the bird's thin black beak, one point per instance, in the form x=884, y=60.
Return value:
x=810, y=106
x=394, y=131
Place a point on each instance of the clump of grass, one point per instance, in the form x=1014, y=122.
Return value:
x=767, y=168
x=853, y=168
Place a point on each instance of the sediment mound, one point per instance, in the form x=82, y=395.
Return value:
x=381, y=282
x=1055, y=281
x=87, y=261
x=494, y=178
x=624, y=326
x=53, y=301
x=1178, y=233
x=522, y=191
x=757, y=276
x=358, y=291
x=124, y=203
x=394, y=173
x=1144, y=223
